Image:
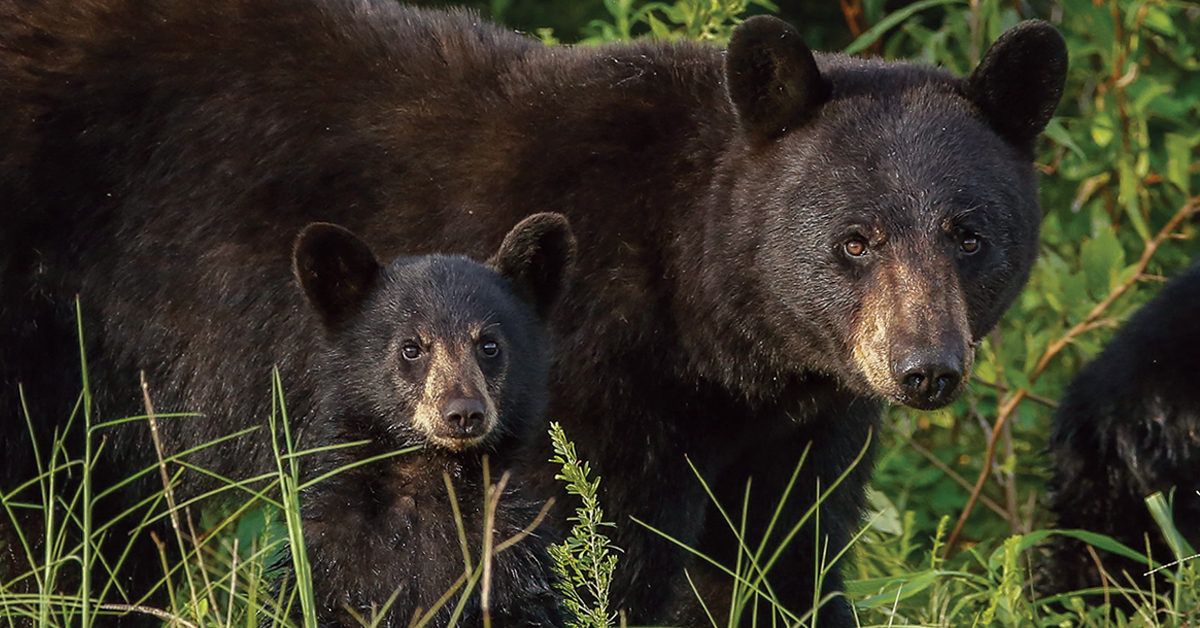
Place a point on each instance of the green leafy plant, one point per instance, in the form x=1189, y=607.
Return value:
x=58, y=577
x=683, y=19
x=585, y=561
x=220, y=573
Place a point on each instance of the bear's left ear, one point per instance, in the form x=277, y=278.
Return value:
x=538, y=257
x=336, y=269
x=1019, y=82
x=772, y=77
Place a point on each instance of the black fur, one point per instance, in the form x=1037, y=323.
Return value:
x=390, y=526
x=716, y=316
x=1128, y=426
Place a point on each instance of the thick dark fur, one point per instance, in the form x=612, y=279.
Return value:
x=1128, y=426
x=445, y=333
x=717, y=314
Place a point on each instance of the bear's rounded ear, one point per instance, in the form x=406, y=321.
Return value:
x=772, y=77
x=335, y=269
x=538, y=257
x=1019, y=82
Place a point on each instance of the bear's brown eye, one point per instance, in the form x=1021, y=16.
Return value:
x=855, y=247
x=410, y=352
x=489, y=348
x=970, y=243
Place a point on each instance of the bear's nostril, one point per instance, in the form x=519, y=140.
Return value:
x=946, y=383
x=929, y=385
x=465, y=416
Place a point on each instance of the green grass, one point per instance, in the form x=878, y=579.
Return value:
x=220, y=566
x=224, y=576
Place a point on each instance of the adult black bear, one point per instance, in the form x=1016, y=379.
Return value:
x=434, y=351
x=771, y=241
x=1129, y=426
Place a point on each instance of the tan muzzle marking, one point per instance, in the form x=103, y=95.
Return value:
x=453, y=373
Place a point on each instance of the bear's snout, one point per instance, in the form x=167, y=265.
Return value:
x=911, y=338
x=464, y=417
x=929, y=378
x=455, y=410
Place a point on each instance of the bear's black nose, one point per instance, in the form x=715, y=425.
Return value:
x=464, y=416
x=929, y=383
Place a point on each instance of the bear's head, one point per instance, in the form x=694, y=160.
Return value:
x=437, y=350
x=890, y=209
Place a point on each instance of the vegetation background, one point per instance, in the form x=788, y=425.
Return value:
x=957, y=494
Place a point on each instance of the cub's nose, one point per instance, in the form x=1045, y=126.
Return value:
x=464, y=416
x=929, y=381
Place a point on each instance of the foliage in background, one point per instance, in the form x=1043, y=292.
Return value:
x=685, y=19
x=1119, y=183
x=823, y=23
x=1119, y=177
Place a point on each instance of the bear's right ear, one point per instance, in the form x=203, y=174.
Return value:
x=336, y=270
x=538, y=257
x=1019, y=81
x=772, y=77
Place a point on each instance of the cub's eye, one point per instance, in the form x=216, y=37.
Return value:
x=970, y=243
x=855, y=247
x=410, y=352
x=489, y=348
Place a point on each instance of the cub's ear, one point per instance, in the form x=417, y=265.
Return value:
x=336, y=270
x=772, y=77
x=538, y=257
x=1019, y=81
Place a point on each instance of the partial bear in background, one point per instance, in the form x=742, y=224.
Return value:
x=1129, y=426
x=772, y=241
x=437, y=352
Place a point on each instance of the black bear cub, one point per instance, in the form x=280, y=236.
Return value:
x=1129, y=426
x=445, y=354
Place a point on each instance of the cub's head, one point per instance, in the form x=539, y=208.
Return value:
x=435, y=350
x=890, y=209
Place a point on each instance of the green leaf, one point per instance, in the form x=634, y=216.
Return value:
x=878, y=592
x=1075, y=296
x=1103, y=260
x=1035, y=346
x=1058, y=133
x=1095, y=539
x=659, y=29
x=1126, y=274
x=1130, y=199
x=1179, y=159
x=1161, y=511
x=1157, y=19
x=1051, y=288
x=885, y=518
x=873, y=9
x=1102, y=129
x=877, y=31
